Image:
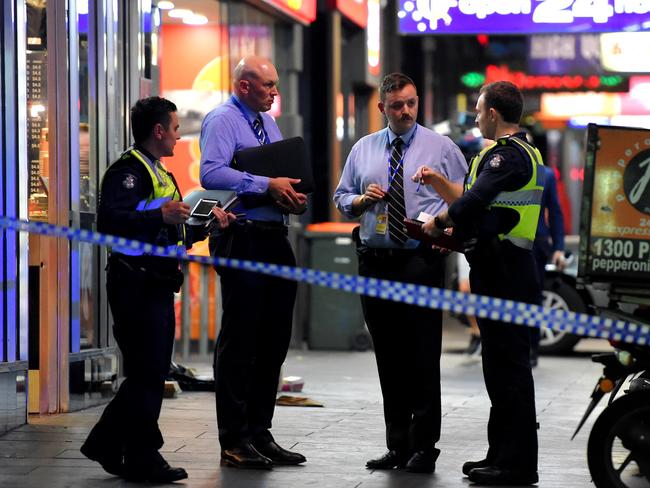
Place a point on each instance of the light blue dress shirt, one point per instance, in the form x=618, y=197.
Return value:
x=368, y=162
x=225, y=130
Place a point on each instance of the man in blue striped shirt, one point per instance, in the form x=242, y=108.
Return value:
x=376, y=186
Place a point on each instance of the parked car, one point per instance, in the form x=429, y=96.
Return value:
x=561, y=292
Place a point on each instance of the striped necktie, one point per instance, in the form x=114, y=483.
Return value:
x=258, y=128
x=396, y=206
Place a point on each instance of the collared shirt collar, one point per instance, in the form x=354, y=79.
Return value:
x=251, y=114
x=405, y=137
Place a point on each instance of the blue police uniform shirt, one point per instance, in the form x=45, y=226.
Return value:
x=554, y=228
x=225, y=130
x=368, y=162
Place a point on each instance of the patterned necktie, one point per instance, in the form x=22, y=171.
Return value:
x=396, y=207
x=258, y=128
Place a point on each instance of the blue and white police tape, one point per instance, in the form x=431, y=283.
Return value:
x=482, y=306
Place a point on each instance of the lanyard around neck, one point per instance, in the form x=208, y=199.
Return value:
x=250, y=124
x=392, y=172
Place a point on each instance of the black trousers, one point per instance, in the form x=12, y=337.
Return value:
x=255, y=332
x=542, y=251
x=144, y=322
x=508, y=272
x=407, y=341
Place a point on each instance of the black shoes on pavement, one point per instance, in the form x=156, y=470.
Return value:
x=418, y=462
x=390, y=460
x=470, y=465
x=155, y=469
x=244, y=456
x=423, y=461
x=277, y=454
x=110, y=461
x=261, y=455
x=152, y=468
x=159, y=473
x=493, y=475
x=481, y=472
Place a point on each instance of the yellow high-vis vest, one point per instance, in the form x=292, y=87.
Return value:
x=164, y=190
x=526, y=201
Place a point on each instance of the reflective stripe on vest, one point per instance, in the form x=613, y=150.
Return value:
x=164, y=190
x=526, y=201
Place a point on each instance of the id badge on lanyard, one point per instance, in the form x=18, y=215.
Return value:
x=381, y=226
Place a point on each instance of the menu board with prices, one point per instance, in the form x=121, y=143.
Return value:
x=37, y=147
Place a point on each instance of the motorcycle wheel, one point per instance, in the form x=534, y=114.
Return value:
x=613, y=462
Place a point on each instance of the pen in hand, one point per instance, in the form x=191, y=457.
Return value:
x=417, y=189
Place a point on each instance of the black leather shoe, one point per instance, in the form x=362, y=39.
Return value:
x=111, y=462
x=277, y=454
x=157, y=471
x=493, y=475
x=470, y=465
x=244, y=456
x=390, y=460
x=165, y=474
x=423, y=461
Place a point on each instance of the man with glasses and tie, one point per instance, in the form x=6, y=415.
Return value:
x=257, y=309
x=407, y=338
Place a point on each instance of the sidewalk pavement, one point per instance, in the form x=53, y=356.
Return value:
x=337, y=439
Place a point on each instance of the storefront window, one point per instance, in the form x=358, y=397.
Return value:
x=251, y=32
x=37, y=123
x=88, y=254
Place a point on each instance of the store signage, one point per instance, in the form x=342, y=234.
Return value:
x=355, y=10
x=304, y=11
x=616, y=237
x=637, y=100
x=373, y=37
x=567, y=105
x=566, y=54
x=627, y=52
x=528, y=82
x=521, y=16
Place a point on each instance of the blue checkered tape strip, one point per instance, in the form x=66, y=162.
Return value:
x=482, y=306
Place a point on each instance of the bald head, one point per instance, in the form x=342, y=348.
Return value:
x=255, y=81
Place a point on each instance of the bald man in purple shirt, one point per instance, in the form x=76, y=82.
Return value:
x=257, y=309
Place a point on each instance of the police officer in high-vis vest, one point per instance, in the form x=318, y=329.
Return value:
x=140, y=200
x=496, y=216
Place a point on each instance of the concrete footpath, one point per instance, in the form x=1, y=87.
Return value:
x=337, y=439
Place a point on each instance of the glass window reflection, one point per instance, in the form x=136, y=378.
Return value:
x=37, y=123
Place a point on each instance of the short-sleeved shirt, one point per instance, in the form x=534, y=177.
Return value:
x=225, y=130
x=368, y=162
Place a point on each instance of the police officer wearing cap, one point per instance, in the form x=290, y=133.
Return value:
x=139, y=200
x=497, y=218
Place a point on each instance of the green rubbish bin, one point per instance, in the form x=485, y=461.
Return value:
x=335, y=318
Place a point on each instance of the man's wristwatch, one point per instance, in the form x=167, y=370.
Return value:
x=438, y=223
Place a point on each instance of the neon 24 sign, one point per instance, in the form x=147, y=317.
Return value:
x=522, y=16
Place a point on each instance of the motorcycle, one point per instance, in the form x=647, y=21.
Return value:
x=618, y=450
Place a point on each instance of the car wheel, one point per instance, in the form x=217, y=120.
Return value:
x=559, y=295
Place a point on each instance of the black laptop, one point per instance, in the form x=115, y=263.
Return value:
x=282, y=158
